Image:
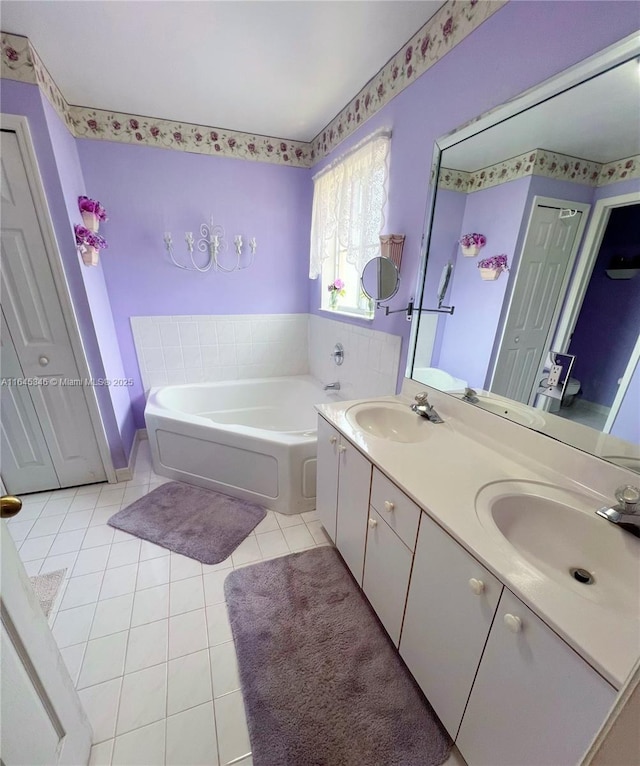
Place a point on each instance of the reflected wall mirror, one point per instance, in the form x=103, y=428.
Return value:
x=380, y=279
x=551, y=181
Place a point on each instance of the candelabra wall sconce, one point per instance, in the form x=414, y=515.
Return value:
x=213, y=242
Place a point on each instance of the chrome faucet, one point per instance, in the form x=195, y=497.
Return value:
x=332, y=386
x=626, y=513
x=470, y=396
x=424, y=409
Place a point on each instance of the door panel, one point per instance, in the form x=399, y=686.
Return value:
x=32, y=311
x=542, y=270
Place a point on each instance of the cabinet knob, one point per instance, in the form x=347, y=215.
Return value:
x=388, y=505
x=373, y=523
x=342, y=448
x=477, y=586
x=43, y=360
x=513, y=623
x=333, y=440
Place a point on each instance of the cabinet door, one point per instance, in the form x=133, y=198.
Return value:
x=535, y=702
x=327, y=476
x=354, y=483
x=452, y=601
x=387, y=566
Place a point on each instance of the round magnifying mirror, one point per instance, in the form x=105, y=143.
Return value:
x=380, y=279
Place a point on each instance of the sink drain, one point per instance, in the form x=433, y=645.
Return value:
x=581, y=575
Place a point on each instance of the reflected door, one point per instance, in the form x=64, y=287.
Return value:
x=548, y=249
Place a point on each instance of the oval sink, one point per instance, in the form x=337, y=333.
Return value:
x=389, y=420
x=518, y=413
x=557, y=531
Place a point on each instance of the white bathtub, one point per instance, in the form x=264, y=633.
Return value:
x=252, y=439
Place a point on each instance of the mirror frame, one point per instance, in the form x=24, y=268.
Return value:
x=624, y=50
x=397, y=287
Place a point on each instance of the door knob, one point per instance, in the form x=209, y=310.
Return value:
x=9, y=506
x=44, y=361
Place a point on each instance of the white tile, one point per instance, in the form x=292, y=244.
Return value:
x=111, y=496
x=224, y=669
x=188, y=334
x=289, y=520
x=207, y=333
x=85, y=502
x=143, y=698
x=82, y=590
x=89, y=489
x=63, y=561
x=226, y=565
x=183, y=567
x=112, y=616
x=124, y=553
x=210, y=356
x=150, y=605
x=72, y=656
x=102, y=515
x=91, y=560
x=30, y=510
x=173, y=358
x=78, y=520
x=247, y=551
x=49, y=525
x=101, y=754
x=142, y=747
x=226, y=332
x=120, y=536
x=99, y=535
x=72, y=625
x=37, y=548
x=272, y=543
x=299, y=537
x=268, y=524
x=119, y=581
x=214, y=587
x=100, y=703
x=131, y=494
x=227, y=355
x=169, y=335
x=191, y=738
x=57, y=506
x=153, y=572
x=189, y=682
x=103, y=660
x=147, y=646
x=231, y=724
x=192, y=357
x=310, y=516
x=318, y=533
x=67, y=542
x=153, y=359
x=33, y=568
x=187, y=633
x=186, y=595
x=218, y=626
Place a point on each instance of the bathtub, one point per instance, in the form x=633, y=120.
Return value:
x=252, y=439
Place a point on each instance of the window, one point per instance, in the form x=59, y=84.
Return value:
x=348, y=216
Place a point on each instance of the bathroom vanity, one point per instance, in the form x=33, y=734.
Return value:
x=465, y=542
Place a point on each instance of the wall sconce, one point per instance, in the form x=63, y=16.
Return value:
x=213, y=242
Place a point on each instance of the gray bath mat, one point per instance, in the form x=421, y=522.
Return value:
x=321, y=681
x=46, y=587
x=196, y=522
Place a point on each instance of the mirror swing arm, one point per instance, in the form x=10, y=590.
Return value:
x=410, y=310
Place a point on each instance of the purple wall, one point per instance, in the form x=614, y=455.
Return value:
x=148, y=191
x=62, y=178
x=498, y=61
x=627, y=422
x=607, y=327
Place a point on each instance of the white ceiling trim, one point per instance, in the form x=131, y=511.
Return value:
x=455, y=21
x=541, y=162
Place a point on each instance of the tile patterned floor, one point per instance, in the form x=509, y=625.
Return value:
x=144, y=632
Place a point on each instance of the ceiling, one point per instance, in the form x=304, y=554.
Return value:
x=270, y=67
x=598, y=120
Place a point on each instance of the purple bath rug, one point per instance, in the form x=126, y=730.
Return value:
x=195, y=522
x=322, y=683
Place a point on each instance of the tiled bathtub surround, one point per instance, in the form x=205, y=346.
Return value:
x=195, y=349
x=371, y=358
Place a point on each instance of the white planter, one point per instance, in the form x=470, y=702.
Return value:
x=90, y=255
x=90, y=221
x=490, y=274
x=470, y=251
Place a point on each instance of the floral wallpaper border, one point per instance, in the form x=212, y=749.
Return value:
x=541, y=162
x=445, y=29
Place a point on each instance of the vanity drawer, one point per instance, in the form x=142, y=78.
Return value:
x=400, y=513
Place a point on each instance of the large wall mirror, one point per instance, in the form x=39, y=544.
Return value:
x=552, y=182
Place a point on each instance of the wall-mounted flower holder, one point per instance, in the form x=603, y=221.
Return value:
x=391, y=246
x=471, y=244
x=491, y=268
x=92, y=213
x=90, y=255
x=89, y=245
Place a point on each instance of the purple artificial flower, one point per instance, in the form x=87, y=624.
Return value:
x=88, y=205
x=469, y=240
x=12, y=54
x=494, y=262
x=87, y=238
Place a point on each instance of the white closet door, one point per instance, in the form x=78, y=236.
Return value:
x=32, y=310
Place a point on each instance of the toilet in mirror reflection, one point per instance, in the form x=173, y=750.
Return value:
x=555, y=188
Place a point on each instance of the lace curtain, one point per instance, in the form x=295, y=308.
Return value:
x=348, y=207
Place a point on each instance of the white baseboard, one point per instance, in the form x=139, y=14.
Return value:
x=126, y=474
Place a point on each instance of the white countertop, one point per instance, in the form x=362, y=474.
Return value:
x=444, y=473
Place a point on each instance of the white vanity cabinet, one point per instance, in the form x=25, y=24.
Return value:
x=534, y=702
x=342, y=495
x=451, y=604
